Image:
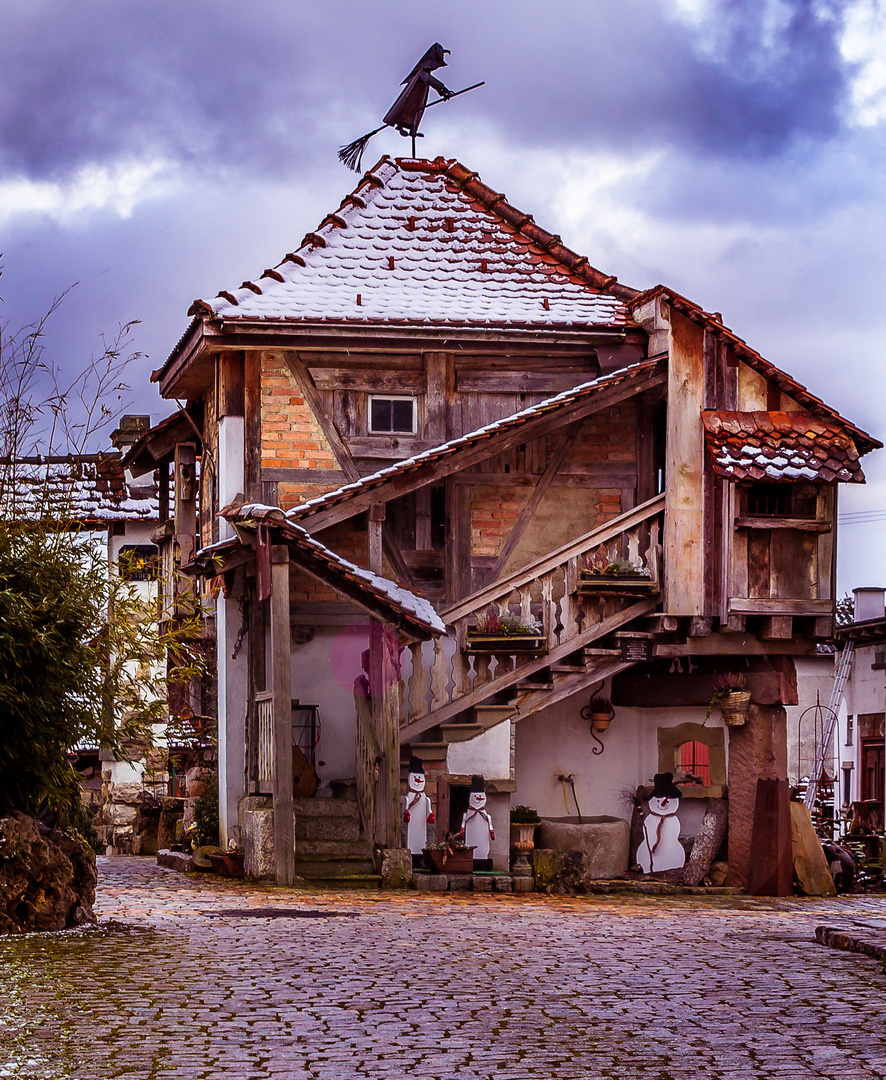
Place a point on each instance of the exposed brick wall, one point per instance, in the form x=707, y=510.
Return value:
x=607, y=436
x=494, y=513
x=289, y=495
x=291, y=435
x=346, y=540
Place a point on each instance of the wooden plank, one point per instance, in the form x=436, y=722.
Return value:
x=303, y=476
x=518, y=382
x=435, y=401
x=792, y=563
x=281, y=685
x=349, y=412
x=356, y=359
x=230, y=384
x=684, y=588
x=469, y=699
x=376, y=524
x=742, y=605
x=735, y=644
x=496, y=443
x=594, y=538
x=326, y=614
x=252, y=426
x=556, y=460
x=774, y=627
x=388, y=447
x=423, y=520
x=371, y=380
x=797, y=524
x=825, y=560
x=759, y=575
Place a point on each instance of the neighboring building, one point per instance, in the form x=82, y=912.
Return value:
x=434, y=388
x=860, y=758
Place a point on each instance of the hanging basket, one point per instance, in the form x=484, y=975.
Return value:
x=734, y=707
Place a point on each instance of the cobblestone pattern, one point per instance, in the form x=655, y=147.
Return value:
x=196, y=979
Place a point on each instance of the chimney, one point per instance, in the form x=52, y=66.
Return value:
x=870, y=603
x=130, y=431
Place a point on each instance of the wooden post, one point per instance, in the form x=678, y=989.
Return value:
x=376, y=527
x=384, y=687
x=281, y=684
x=163, y=489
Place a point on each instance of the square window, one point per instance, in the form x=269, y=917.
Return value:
x=392, y=415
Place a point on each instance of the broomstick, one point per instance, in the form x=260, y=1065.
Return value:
x=352, y=154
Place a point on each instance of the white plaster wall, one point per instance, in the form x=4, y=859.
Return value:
x=231, y=468
x=815, y=674
x=488, y=754
x=323, y=673
x=557, y=741
x=233, y=690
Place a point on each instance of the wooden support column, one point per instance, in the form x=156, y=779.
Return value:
x=163, y=489
x=281, y=684
x=252, y=426
x=758, y=750
x=384, y=684
x=376, y=537
x=457, y=556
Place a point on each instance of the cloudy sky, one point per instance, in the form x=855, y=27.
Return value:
x=153, y=152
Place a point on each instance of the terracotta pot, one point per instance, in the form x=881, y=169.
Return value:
x=600, y=721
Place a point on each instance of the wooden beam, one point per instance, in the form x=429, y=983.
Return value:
x=374, y=380
x=777, y=626
x=497, y=442
x=281, y=684
x=457, y=560
x=333, y=477
x=551, y=470
x=376, y=525
x=769, y=606
x=230, y=384
x=252, y=426
x=163, y=489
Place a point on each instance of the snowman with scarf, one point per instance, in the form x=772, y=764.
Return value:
x=476, y=824
x=661, y=848
x=417, y=814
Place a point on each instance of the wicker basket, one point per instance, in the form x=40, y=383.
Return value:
x=734, y=707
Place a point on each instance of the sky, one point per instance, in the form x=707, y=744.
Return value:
x=156, y=152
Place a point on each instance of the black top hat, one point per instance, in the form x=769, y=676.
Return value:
x=663, y=787
x=478, y=785
x=415, y=765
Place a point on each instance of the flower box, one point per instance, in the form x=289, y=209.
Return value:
x=506, y=643
x=594, y=584
x=446, y=861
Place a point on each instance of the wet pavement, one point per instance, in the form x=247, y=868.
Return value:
x=200, y=978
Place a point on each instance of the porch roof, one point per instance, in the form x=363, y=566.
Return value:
x=160, y=441
x=378, y=595
x=635, y=378
x=780, y=446
x=788, y=385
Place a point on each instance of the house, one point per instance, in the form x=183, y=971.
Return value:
x=95, y=495
x=596, y=490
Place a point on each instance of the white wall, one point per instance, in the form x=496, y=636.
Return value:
x=815, y=674
x=557, y=741
x=323, y=673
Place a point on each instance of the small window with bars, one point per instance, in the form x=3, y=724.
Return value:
x=694, y=758
x=392, y=415
x=784, y=500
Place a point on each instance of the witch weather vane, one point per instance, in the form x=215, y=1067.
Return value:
x=407, y=111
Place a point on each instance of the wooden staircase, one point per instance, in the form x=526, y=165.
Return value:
x=454, y=693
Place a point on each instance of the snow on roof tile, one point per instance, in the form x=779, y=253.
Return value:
x=780, y=446
x=87, y=490
x=637, y=372
x=427, y=242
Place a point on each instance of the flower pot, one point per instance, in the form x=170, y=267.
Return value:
x=234, y=863
x=523, y=836
x=444, y=861
x=506, y=643
x=600, y=721
x=734, y=707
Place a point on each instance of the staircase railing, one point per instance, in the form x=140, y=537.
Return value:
x=452, y=674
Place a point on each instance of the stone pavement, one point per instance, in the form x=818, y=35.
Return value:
x=206, y=978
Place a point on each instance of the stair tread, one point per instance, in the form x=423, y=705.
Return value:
x=333, y=806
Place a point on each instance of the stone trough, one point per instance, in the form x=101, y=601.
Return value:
x=599, y=846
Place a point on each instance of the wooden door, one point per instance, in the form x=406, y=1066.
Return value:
x=873, y=762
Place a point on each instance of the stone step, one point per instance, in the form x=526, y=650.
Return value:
x=339, y=849
x=490, y=715
x=319, y=807
x=347, y=881
x=427, y=751
x=332, y=866
x=327, y=828
x=461, y=732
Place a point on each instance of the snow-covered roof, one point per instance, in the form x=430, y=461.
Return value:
x=402, y=605
x=426, y=242
x=780, y=446
x=86, y=490
x=639, y=373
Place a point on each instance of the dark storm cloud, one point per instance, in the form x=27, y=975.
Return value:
x=262, y=88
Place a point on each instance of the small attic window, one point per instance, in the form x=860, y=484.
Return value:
x=391, y=415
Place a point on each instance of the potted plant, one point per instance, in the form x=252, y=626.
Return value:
x=453, y=856
x=601, y=712
x=615, y=577
x=524, y=819
x=731, y=698
x=494, y=632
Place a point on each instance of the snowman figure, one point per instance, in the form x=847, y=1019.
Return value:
x=476, y=824
x=417, y=813
x=661, y=848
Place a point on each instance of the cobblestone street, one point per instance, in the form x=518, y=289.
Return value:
x=206, y=979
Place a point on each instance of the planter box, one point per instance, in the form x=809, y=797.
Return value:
x=615, y=585
x=506, y=643
x=449, y=862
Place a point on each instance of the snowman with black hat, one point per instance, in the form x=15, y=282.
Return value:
x=417, y=813
x=661, y=848
x=476, y=823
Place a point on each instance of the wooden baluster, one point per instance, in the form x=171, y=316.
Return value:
x=439, y=676
x=570, y=605
x=653, y=553
x=547, y=597
x=633, y=538
x=461, y=662
x=525, y=595
x=418, y=685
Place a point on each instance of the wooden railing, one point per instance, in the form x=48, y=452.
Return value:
x=446, y=679
x=262, y=763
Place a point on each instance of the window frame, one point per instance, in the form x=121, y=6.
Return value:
x=392, y=398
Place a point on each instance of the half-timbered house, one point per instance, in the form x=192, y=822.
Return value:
x=599, y=490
